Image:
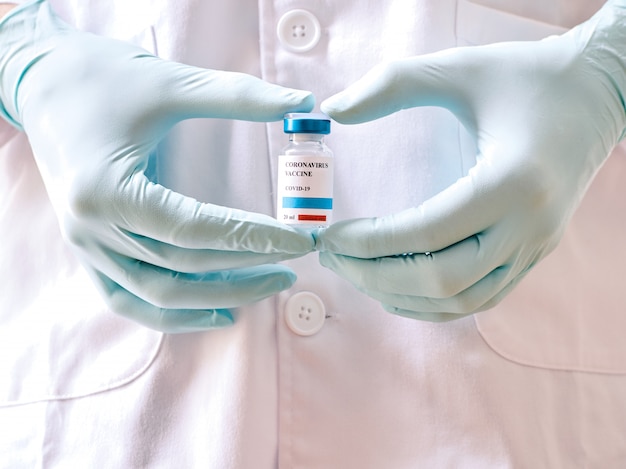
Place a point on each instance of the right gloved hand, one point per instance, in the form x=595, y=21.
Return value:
x=544, y=115
x=94, y=110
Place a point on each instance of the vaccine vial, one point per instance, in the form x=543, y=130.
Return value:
x=305, y=172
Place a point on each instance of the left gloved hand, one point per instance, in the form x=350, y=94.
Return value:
x=95, y=110
x=545, y=116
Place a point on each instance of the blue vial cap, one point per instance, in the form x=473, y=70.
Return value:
x=306, y=123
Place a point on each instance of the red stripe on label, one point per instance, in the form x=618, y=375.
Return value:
x=311, y=217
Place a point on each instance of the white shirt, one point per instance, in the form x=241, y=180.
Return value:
x=537, y=382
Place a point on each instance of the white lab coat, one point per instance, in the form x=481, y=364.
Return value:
x=540, y=381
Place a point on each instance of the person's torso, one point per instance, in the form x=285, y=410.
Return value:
x=368, y=389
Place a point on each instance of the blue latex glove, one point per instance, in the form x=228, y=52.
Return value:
x=94, y=110
x=545, y=115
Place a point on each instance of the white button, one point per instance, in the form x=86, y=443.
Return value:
x=305, y=313
x=299, y=30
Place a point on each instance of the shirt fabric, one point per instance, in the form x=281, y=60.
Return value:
x=539, y=381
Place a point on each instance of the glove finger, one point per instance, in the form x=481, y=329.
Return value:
x=427, y=80
x=435, y=311
x=468, y=301
x=195, y=92
x=168, y=289
x=186, y=260
x=441, y=274
x=124, y=303
x=153, y=211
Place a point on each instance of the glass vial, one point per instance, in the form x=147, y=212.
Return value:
x=305, y=172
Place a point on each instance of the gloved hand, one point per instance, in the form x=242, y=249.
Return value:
x=94, y=110
x=545, y=115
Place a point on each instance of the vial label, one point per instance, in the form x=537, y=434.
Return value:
x=305, y=190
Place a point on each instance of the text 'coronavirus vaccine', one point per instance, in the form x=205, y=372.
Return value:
x=305, y=172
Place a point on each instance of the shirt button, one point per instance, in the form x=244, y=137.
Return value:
x=299, y=30
x=305, y=313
